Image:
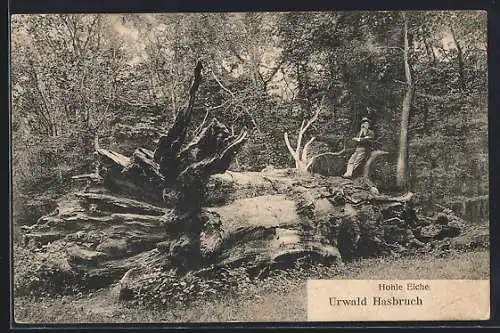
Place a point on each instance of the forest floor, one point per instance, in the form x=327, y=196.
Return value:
x=279, y=297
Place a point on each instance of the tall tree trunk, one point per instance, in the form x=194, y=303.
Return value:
x=402, y=165
x=460, y=59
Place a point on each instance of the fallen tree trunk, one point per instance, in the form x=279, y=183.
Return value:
x=302, y=217
x=176, y=210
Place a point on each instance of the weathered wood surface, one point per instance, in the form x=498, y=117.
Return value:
x=176, y=209
x=300, y=218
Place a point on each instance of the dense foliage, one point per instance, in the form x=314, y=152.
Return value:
x=122, y=79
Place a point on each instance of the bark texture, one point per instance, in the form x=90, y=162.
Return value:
x=258, y=220
x=402, y=162
x=177, y=210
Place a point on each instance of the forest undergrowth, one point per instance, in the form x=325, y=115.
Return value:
x=280, y=296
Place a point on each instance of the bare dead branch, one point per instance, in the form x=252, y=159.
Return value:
x=300, y=154
x=217, y=106
x=306, y=148
x=241, y=137
x=312, y=120
x=221, y=85
x=313, y=159
x=299, y=139
x=288, y=145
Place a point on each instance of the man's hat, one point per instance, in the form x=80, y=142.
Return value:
x=365, y=120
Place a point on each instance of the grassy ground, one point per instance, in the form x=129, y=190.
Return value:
x=279, y=297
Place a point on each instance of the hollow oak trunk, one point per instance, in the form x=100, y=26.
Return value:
x=177, y=210
x=272, y=219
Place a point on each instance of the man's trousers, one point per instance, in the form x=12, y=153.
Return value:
x=357, y=158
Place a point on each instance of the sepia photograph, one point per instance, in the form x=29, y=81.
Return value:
x=249, y=167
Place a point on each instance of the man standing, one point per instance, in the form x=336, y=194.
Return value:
x=363, y=147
